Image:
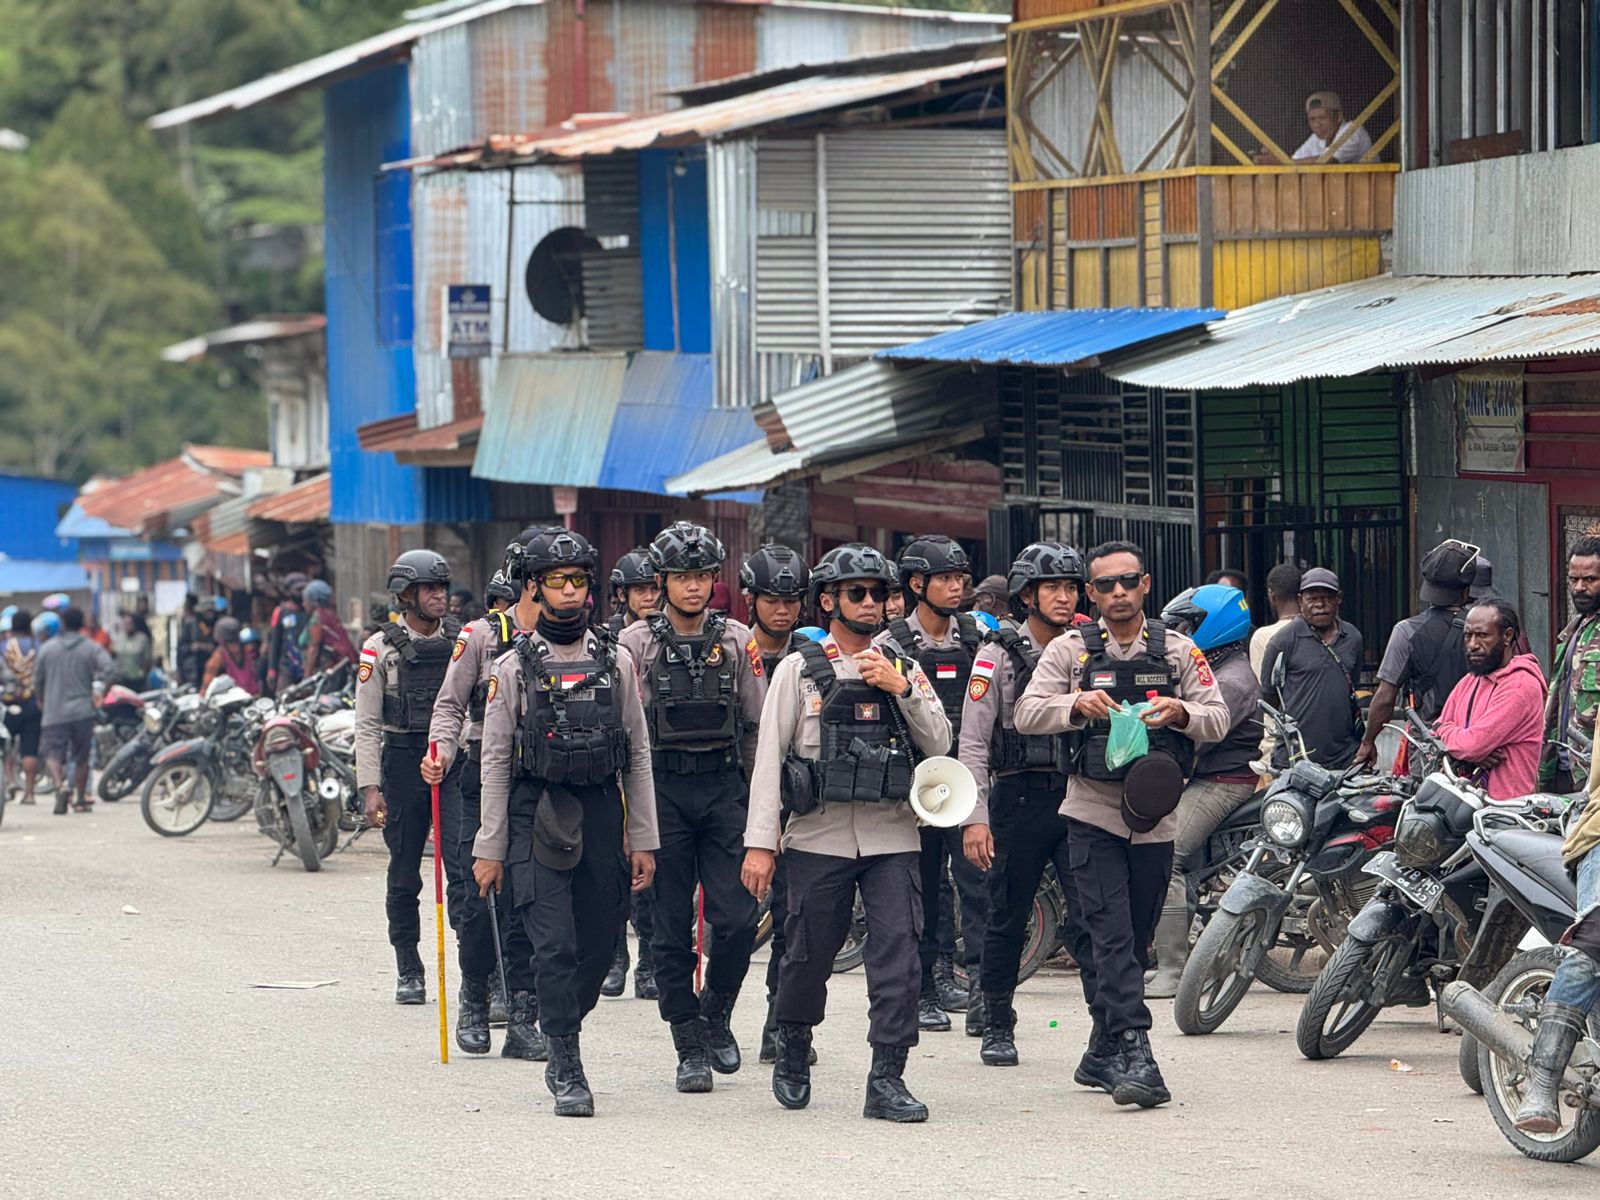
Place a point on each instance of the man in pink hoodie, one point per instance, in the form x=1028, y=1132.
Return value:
x=1494, y=718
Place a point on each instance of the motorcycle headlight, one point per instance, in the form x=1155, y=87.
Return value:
x=1284, y=822
x=153, y=716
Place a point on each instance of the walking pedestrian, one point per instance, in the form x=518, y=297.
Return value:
x=19, y=694
x=70, y=672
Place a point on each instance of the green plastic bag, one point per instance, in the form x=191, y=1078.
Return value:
x=1129, y=738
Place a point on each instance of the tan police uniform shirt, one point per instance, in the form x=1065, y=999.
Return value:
x=471, y=662
x=378, y=675
x=1046, y=707
x=502, y=718
x=749, y=684
x=793, y=720
x=991, y=700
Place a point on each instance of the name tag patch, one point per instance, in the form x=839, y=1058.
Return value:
x=1152, y=679
x=867, y=712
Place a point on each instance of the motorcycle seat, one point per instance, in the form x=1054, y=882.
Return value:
x=1539, y=854
x=1248, y=813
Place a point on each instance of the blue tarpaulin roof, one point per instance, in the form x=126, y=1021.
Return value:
x=1055, y=339
x=79, y=524
x=20, y=576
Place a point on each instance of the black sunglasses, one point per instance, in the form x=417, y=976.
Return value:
x=857, y=592
x=1106, y=584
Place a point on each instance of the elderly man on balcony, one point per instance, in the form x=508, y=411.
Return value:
x=1325, y=115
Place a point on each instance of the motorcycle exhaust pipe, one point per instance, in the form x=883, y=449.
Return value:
x=329, y=789
x=1482, y=1018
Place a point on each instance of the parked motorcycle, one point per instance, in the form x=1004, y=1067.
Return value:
x=1298, y=890
x=292, y=807
x=1428, y=923
x=190, y=777
x=117, y=721
x=328, y=703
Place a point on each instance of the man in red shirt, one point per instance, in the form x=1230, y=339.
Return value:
x=1493, y=720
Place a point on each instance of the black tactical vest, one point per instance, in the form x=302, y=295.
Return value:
x=1438, y=659
x=769, y=662
x=423, y=662
x=1010, y=751
x=948, y=668
x=505, y=634
x=867, y=752
x=571, y=731
x=692, y=701
x=1131, y=680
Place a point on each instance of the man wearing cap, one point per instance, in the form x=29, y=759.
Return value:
x=990, y=597
x=1121, y=820
x=1425, y=656
x=1311, y=667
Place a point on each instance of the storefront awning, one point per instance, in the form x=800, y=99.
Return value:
x=450, y=445
x=1380, y=324
x=1062, y=338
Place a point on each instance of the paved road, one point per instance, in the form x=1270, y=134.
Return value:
x=137, y=1058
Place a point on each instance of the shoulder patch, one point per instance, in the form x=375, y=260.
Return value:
x=364, y=672
x=459, y=648
x=920, y=679
x=978, y=688
x=753, y=653
x=831, y=649
x=1201, y=666
x=494, y=686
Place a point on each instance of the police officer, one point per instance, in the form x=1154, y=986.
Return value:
x=562, y=720
x=635, y=592
x=1016, y=830
x=1121, y=820
x=1426, y=655
x=775, y=581
x=703, y=696
x=402, y=667
x=845, y=723
x=457, y=725
x=933, y=572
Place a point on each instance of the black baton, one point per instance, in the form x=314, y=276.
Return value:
x=499, y=957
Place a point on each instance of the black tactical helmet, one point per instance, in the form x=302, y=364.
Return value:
x=853, y=561
x=775, y=571
x=1044, y=560
x=498, y=589
x=546, y=550
x=417, y=566
x=633, y=567
x=685, y=546
x=932, y=553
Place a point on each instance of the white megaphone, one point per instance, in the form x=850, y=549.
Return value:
x=943, y=792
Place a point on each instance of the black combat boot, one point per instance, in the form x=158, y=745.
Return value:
x=717, y=1009
x=1140, y=1082
x=1560, y=1027
x=617, y=977
x=999, y=1047
x=791, y=1075
x=497, y=1001
x=410, y=985
x=975, y=1005
x=931, y=1017
x=888, y=1099
x=1101, y=1064
x=523, y=1039
x=952, y=996
x=472, y=1024
x=565, y=1079
x=694, y=1067
x=769, y=1031
x=644, y=974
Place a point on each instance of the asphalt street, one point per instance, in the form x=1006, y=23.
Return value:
x=139, y=1056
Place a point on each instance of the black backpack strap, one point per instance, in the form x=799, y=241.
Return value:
x=967, y=628
x=397, y=637
x=1094, y=638
x=1023, y=658
x=1156, y=639
x=900, y=630
x=816, y=666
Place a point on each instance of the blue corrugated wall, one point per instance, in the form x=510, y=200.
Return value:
x=657, y=174
x=32, y=507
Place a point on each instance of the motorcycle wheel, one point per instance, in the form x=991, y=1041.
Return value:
x=1337, y=1010
x=1467, y=1060
x=1526, y=978
x=763, y=922
x=231, y=808
x=122, y=776
x=1214, y=979
x=328, y=840
x=1039, y=939
x=305, y=843
x=177, y=799
x=1295, y=960
x=854, y=951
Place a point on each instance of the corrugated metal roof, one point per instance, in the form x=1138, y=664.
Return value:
x=79, y=524
x=24, y=576
x=1378, y=324
x=753, y=465
x=226, y=460
x=260, y=329
x=325, y=66
x=720, y=87
x=550, y=419
x=1055, y=339
x=302, y=504
x=201, y=476
x=667, y=422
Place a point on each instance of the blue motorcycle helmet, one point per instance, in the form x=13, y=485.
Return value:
x=46, y=625
x=812, y=632
x=1213, y=615
x=986, y=621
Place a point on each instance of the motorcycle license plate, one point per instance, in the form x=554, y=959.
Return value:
x=1422, y=888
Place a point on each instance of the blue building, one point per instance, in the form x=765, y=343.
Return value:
x=36, y=558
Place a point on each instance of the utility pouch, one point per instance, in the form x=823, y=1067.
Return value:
x=798, y=785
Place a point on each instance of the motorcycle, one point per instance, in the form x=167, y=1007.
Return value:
x=332, y=723
x=191, y=777
x=117, y=721
x=293, y=808
x=1299, y=888
x=1429, y=921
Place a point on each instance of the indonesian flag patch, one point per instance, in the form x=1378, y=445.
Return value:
x=982, y=673
x=945, y=671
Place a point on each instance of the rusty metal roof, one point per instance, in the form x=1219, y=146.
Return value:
x=302, y=504
x=198, y=478
x=266, y=328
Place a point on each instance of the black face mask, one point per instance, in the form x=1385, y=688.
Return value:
x=562, y=629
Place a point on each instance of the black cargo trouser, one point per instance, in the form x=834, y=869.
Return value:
x=702, y=820
x=469, y=912
x=570, y=917
x=641, y=910
x=779, y=909
x=408, y=803
x=822, y=897
x=1114, y=899
x=941, y=846
x=1029, y=834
